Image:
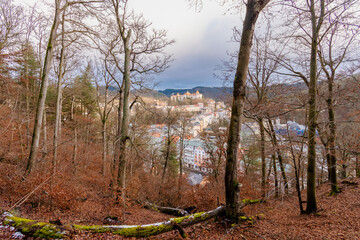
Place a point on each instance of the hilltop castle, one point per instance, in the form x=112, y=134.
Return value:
x=187, y=95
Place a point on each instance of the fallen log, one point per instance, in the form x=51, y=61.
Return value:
x=51, y=231
x=32, y=228
x=246, y=202
x=167, y=210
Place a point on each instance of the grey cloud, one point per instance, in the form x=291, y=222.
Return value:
x=198, y=66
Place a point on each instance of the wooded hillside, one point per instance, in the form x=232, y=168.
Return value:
x=89, y=150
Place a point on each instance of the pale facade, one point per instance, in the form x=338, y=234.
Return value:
x=187, y=95
x=195, y=156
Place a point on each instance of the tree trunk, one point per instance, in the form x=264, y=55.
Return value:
x=275, y=176
x=27, y=93
x=278, y=153
x=181, y=161
x=311, y=169
x=302, y=178
x=74, y=157
x=43, y=90
x=332, y=138
x=59, y=97
x=253, y=9
x=328, y=161
x=103, y=166
x=117, y=139
x=343, y=171
x=21, y=139
x=217, y=167
x=263, y=157
x=44, y=152
x=72, y=108
x=344, y=165
x=167, y=154
x=357, y=166
x=104, y=137
x=297, y=179
x=181, y=156
x=125, y=118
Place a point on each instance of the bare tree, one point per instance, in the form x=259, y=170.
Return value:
x=253, y=9
x=170, y=119
x=31, y=22
x=60, y=6
x=215, y=140
x=10, y=24
x=312, y=30
x=136, y=50
x=332, y=58
x=261, y=72
x=61, y=72
x=232, y=186
x=316, y=17
x=43, y=90
x=296, y=150
x=71, y=28
x=105, y=106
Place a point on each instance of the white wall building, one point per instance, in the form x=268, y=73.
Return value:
x=195, y=156
x=187, y=95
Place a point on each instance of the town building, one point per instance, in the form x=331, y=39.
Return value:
x=187, y=95
x=195, y=156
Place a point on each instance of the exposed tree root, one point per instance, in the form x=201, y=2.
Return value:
x=47, y=230
x=167, y=210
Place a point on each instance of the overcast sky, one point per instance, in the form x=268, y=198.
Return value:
x=202, y=39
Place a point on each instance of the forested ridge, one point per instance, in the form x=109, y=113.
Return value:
x=89, y=150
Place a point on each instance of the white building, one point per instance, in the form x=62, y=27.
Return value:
x=195, y=156
x=187, y=95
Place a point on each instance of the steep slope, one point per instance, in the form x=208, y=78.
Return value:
x=338, y=218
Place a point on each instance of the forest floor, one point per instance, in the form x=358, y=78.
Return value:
x=338, y=218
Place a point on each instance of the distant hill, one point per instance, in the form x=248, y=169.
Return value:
x=216, y=93
x=150, y=94
x=143, y=93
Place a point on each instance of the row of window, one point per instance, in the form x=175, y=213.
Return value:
x=202, y=169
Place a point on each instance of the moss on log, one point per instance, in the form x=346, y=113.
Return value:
x=250, y=201
x=35, y=229
x=52, y=231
